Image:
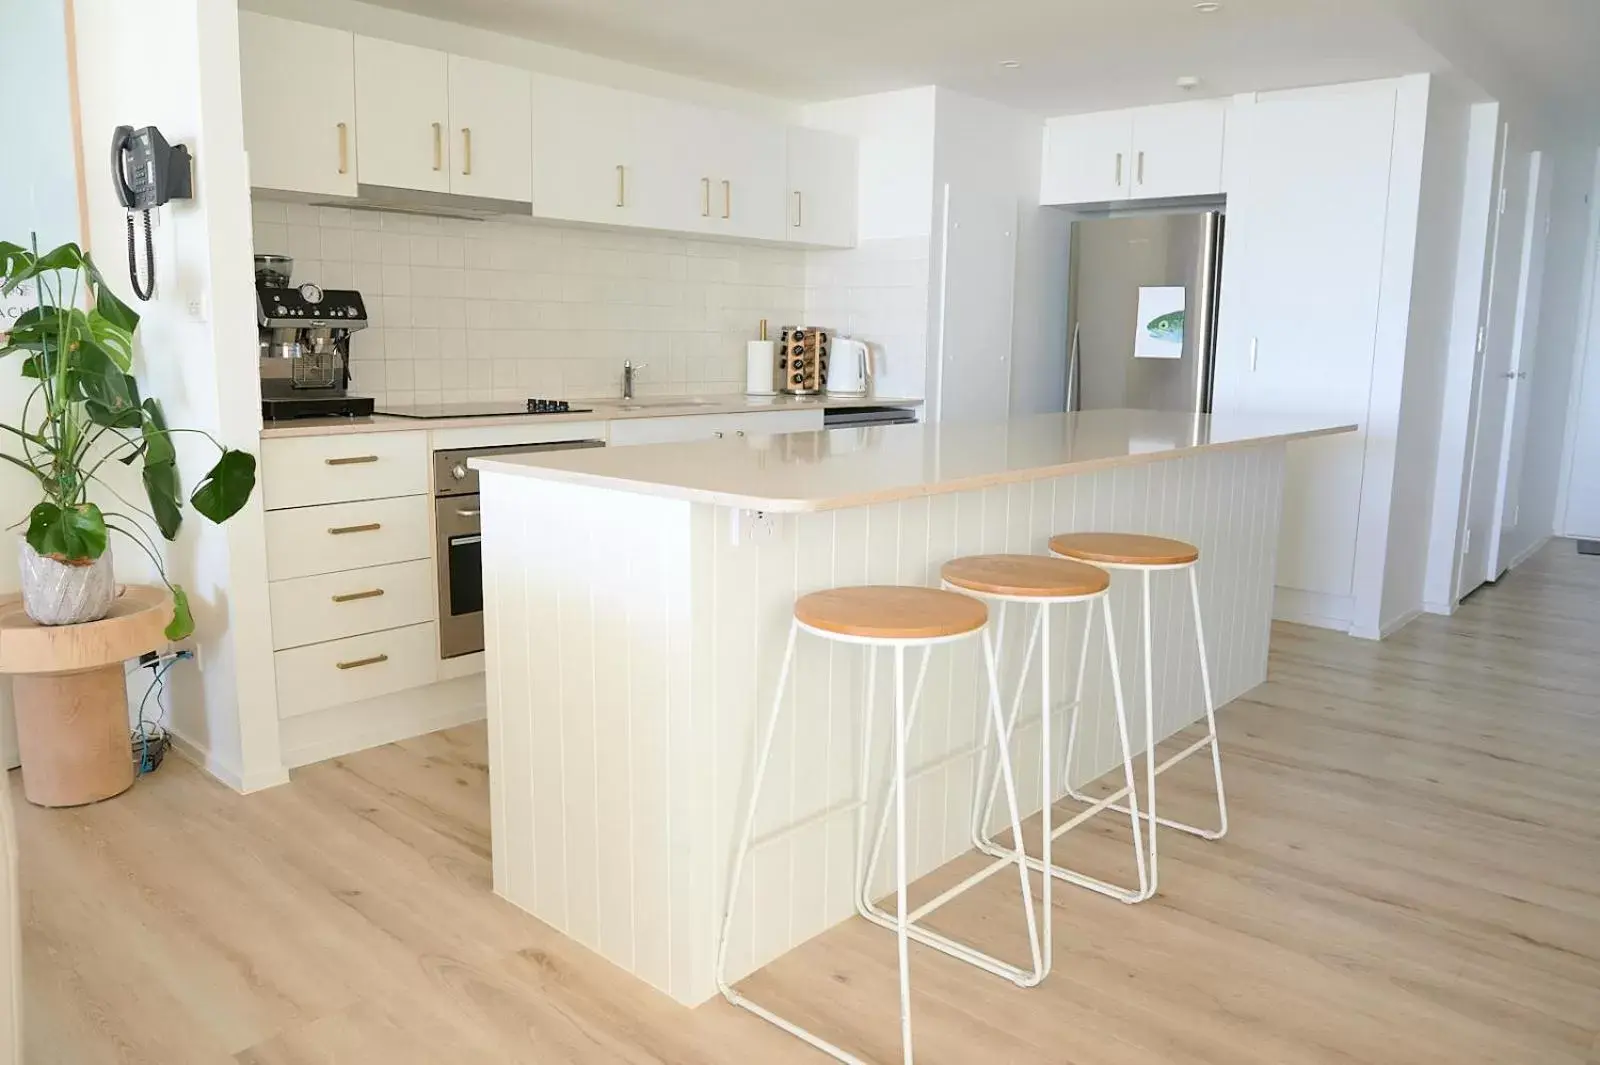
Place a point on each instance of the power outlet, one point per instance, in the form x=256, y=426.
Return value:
x=752, y=526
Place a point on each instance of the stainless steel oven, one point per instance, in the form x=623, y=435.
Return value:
x=459, y=546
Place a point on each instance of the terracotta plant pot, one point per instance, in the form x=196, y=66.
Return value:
x=55, y=593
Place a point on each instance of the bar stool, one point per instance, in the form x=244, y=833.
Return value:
x=1147, y=555
x=899, y=618
x=1047, y=582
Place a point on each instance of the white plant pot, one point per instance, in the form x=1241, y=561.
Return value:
x=54, y=593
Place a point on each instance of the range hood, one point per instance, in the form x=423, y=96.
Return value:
x=432, y=204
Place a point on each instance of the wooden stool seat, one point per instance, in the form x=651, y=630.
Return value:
x=891, y=612
x=1032, y=576
x=1124, y=549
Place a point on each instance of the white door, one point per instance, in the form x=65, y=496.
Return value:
x=822, y=188
x=1177, y=149
x=751, y=176
x=1301, y=279
x=300, y=132
x=1508, y=539
x=1493, y=387
x=402, y=115
x=1087, y=158
x=976, y=288
x=491, y=121
x=586, y=163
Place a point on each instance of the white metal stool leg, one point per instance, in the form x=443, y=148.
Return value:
x=1050, y=832
x=956, y=949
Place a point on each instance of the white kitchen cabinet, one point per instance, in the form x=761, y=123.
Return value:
x=1143, y=153
x=744, y=177
x=1086, y=158
x=300, y=132
x=491, y=126
x=822, y=170
x=1177, y=149
x=1307, y=214
x=675, y=430
x=402, y=113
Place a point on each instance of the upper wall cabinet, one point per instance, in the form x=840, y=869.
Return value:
x=600, y=156
x=742, y=178
x=1143, y=153
x=822, y=188
x=403, y=109
x=491, y=130
x=300, y=132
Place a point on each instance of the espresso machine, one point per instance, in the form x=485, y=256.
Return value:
x=303, y=334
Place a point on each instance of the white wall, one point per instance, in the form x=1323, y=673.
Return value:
x=1429, y=341
x=196, y=348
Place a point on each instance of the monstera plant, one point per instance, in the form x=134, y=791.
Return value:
x=82, y=412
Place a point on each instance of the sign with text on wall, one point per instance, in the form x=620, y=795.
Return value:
x=1158, y=334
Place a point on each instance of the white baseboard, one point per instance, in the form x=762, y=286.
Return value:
x=355, y=727
x=1528, y=552
x=1313, y=608
x=1389, y=628
x=1442, y=609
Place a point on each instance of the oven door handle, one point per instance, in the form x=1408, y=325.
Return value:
x=465, y=512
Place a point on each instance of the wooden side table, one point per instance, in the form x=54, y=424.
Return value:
x=72, y=698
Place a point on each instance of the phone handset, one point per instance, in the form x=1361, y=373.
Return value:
x=147, y=172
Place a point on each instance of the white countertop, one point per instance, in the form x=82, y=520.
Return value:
x=602, y=410
x=853, y=467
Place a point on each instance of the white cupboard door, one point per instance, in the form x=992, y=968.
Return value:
x=751, y=177
x=300, y=132
x=491, y=126
x=1177, y=149
x=670, y=181
x=403, y=114
x=1301, y=277
x=822, y=188
x=586, y=163
x=1087, y=158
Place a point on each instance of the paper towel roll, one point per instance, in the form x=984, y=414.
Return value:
x=761, y=359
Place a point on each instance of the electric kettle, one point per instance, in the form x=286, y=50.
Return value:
x=849, y=367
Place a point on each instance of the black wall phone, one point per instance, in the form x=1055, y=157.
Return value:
x=147, y=172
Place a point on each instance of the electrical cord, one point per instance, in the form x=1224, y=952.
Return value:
x=140, y=289
x=151, y=738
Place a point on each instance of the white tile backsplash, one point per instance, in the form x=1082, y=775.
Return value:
x=506, y=309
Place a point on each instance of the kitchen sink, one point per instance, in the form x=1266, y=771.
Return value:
x=666, y=401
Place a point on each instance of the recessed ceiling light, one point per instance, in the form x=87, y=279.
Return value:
x=1010, y=64
x=1208, y=7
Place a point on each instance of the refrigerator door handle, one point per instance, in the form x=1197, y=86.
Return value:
x=1074, y=358
x=1255, y=351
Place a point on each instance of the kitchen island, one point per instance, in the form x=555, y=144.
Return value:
x=637, y=601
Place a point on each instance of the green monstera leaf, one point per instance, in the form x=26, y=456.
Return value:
x=227, y=487
x=181, y=627
x=74, y=535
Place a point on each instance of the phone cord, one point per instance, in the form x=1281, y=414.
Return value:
x=140, y=289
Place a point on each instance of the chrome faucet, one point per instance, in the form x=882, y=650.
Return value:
x=628, y=370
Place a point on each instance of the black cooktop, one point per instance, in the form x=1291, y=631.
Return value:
x=490, y=409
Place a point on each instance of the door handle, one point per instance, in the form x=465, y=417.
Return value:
x=344, y=148
x=465, y=512
x=727, y=199
x=350, y=597
x=358, y=663
x=622, y=185
x=1255, y=352
x=1140, y=165
x=466, y=150
x=1119, y=170
x=799, y=210
x=438, y=146
x=345, y=530
x=705, y=197
x=351, y=460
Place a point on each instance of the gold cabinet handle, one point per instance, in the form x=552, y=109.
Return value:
x=344, y=148
x=358, y=663
x=799, y=210
x=345, y=530
x=727, y=199
x=466, y=151
x=1119, y=170
x=350, y=597
x=622, y=185
x=351, y=460
x=438, y=146
x=705, y=197
x=1140, y=165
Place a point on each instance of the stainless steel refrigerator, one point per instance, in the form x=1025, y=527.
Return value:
x=1142, y=312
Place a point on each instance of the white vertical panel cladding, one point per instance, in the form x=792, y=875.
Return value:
x=628, y=674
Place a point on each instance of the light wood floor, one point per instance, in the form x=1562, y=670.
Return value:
x=1413, y=876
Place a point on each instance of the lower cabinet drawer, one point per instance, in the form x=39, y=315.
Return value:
x=335, y=605
x=341, y=536
x=359, y=667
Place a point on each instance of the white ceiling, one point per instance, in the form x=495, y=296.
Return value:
x=1076, y=55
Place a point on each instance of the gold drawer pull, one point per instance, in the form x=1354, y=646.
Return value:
x=350, y=597
x=358, y=663
x=340, y=530
x=351, y=460
x=344, y=148
x=438, y=146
